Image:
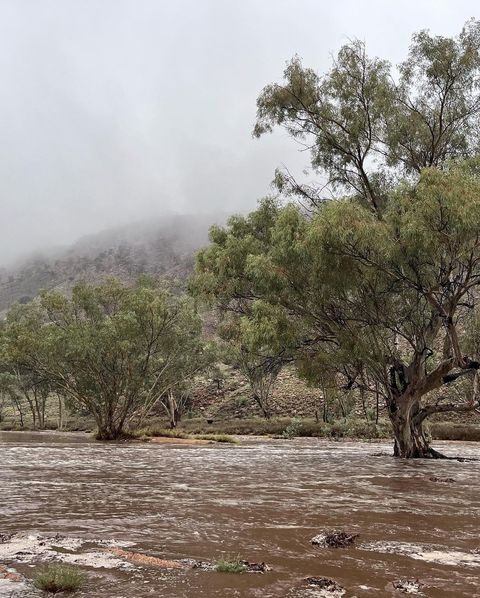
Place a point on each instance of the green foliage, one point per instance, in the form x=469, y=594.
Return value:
x=230, y=564
x=365, y=129
x=222, y=438
x=380, y=283
x=359, y=297
x=178, y=433
x=115, y=350
x=59, y=578
x=164, y=432
x=342, y=428
x=293, y=429
x=257, y=336
x=455, y=431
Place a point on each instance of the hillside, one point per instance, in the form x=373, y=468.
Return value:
x=164, y=248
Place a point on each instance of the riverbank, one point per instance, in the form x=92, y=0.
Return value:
x=283, y=427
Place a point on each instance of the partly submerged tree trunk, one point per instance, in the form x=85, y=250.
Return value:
x=108, y=432
x=410, y=441
x=60, y=413
x=107, y=429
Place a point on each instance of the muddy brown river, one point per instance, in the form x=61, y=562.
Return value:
x=261, y=499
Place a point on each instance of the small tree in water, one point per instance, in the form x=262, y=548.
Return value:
x=111, y=348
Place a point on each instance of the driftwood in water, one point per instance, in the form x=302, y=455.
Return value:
x=144, y=559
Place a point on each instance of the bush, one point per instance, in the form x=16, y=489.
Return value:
x=293, y=429
x=286, y=427
x=229, y=564
x=58, y=578
x=164, y=433
x=454, y=431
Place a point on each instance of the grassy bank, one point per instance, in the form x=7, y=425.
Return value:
x=287, y=427
x=155, y=432
x=222, y=430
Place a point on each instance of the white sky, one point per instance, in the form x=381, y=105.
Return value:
x=119, y=110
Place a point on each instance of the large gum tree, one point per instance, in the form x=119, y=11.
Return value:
x=379, y=282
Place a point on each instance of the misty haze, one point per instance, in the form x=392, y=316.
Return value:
x=239, y=298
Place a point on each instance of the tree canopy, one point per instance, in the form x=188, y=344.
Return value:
x=367, y=126
x=380, y=284
x=114, y=349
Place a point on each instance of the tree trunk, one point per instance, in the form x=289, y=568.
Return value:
x=108, y=433
x=410, y=439
x=40, y=411
x=364, y=404
x=60, y=413
x=325, y=405
x=106, y=430
x=263, y=404
x=173, y=411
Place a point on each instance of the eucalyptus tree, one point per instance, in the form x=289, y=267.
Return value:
x=367, y=126
x=385, y=301
x=26, y=388
x=257, y=339
x=113, y=349
x=257, y=344
x=398, y=251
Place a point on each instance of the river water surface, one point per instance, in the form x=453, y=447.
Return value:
x=261, y=499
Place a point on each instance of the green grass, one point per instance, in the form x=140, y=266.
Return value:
x=180, y=433
x=58, y=578
x=230, y=564
x=287, y=427
x=216, y=438
x=454, y=431
x=153, y=431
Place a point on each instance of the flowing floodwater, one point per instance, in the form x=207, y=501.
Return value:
x=262, y=499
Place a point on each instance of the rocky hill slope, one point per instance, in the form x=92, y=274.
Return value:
x=164, y=248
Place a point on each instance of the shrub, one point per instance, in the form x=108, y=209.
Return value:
x=230, y=564
x=293, y=429
x=286, y=427
x=176, y=433
x=58, y=578
x=454, y=431
x=166, y=433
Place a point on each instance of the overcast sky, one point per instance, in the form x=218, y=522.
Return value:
x=118, y=110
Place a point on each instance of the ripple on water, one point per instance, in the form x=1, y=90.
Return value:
x=263, y=500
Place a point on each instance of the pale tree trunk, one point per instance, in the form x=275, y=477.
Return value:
x=60, y=413
x=40, y=403
x=173, y=411
x=410, y=439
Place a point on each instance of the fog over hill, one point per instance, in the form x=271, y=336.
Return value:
x=163, y=247
x=116, y=110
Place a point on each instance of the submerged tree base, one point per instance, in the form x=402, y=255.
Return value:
x=426, y=452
